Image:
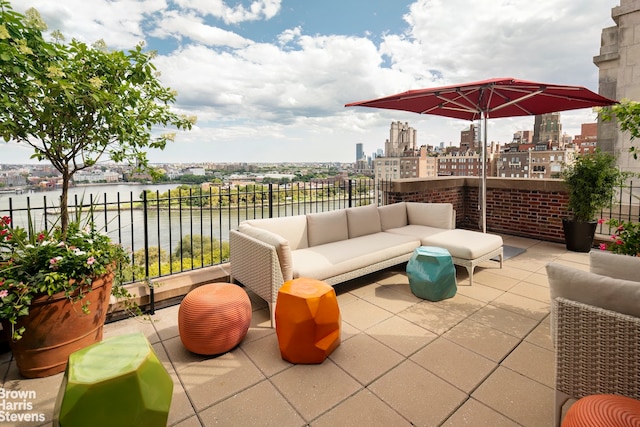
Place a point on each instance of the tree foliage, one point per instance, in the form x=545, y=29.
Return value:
x=75, y=104
x=627, y=114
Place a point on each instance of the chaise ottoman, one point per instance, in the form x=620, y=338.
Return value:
x=467, y=248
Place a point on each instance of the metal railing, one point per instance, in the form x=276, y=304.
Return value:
x=186, y=229
x=624, y=206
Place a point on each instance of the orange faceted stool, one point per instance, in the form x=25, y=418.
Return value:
x=307, y=321
x=214, y=318
x=603, y=410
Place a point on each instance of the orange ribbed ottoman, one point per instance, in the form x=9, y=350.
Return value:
x=307, y=320
x=214, y=318
x=603, y=410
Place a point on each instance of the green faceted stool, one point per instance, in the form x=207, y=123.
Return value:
x=117, y=382
x=431, y=273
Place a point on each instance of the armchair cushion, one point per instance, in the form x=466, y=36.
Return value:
x=613, y=265
x=622, y=296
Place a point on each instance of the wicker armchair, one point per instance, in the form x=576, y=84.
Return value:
x=595, y=323
x=597, y=352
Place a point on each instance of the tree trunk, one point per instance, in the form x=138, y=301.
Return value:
x=64, y=203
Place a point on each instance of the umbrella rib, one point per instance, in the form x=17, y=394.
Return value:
x=522, y=98
x=462, y=107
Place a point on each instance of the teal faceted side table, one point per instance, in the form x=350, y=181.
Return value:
x=118, y=382
x=431, y=273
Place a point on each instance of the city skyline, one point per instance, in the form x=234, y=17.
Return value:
x=269, y=82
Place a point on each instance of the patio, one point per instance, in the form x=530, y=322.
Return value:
x=483, y=357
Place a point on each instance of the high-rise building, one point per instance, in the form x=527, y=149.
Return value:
x=402, y=140
x=619, y=77
x=359, y=151
x=547, y=129
x=469, y=138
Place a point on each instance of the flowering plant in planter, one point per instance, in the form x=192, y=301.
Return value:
x=43, y=263
x=625, y=237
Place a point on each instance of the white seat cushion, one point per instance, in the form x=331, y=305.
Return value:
x=465, y=244
x=332, y=259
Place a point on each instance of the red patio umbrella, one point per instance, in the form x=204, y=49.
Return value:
x=493, y=98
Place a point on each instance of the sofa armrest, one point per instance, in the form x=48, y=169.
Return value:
x=596, y=351
x=255, y=264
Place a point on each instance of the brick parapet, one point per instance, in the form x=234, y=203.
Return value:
x=521, y=207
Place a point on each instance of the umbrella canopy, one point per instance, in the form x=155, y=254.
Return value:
x=493, y=98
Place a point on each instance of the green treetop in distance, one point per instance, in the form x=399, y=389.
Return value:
x=75, y=103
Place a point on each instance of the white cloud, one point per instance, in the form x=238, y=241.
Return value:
x=188, y=25
x=259, y=101
x=259, y=9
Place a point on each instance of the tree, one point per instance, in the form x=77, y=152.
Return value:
x=75, y=104
x=627, y=113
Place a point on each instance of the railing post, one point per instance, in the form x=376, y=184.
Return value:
x=270, y=200
x=350, y=182
x=152, y=301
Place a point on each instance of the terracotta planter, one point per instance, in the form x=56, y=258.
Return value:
x=56, y=327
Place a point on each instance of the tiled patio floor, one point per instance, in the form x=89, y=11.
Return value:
x=482, y=358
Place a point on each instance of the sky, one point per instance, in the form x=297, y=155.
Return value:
x=268, y=79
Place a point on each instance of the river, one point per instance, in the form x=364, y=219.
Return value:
x=165, y=228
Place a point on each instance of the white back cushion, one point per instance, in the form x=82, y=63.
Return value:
x=437, y=215
x=363, y=220
x=327, y=227
x=292, y=228
x=393, y=216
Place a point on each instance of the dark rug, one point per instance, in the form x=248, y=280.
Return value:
x=509, y=252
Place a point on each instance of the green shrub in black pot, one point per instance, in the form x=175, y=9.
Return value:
x=592, y=180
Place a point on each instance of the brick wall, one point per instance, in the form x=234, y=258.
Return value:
x=520, y=207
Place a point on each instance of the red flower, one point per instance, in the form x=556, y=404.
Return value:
x=41, y=237
x=601, y=221
x=619, y=242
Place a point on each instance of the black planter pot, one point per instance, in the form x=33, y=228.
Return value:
x=579, y=235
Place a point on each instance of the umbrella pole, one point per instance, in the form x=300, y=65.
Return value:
x=483, y=174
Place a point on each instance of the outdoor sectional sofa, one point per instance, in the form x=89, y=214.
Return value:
x=340, y=245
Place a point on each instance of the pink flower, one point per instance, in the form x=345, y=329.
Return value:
x=4, y=293
x=619, y=242
x=603, y=246
x=91, y=260
x=601, y=221
x=6, y=220
x=53, y=262
x=40, y=237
